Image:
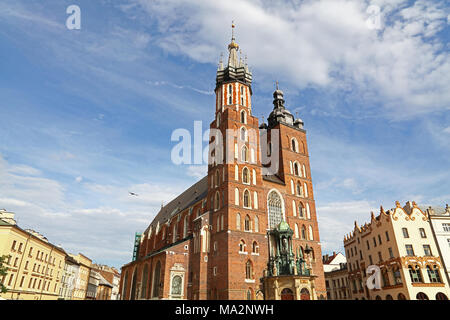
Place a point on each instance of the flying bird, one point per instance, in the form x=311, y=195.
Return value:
x=133, y=194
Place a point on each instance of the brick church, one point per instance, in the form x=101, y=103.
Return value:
x=214, y=240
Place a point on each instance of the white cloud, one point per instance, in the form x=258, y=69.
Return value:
x=78, y=179
x=336, y=219
x=322, y=43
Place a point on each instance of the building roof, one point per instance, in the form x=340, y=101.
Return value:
x=104, y=282
x=193, y=194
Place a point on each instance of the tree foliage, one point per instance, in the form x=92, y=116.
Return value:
x=3, y=271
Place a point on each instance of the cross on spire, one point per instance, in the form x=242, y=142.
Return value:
x=276, y=84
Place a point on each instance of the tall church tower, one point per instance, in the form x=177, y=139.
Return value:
x=235, y=183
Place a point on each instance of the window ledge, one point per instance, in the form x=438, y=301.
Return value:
x=243, y=252
x=249, y=280
x=255, y=254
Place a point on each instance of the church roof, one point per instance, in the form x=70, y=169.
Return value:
x=193, y=194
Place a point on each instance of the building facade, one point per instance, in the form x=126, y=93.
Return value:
x=211, y=242
x=336, y=276
x=439, y=219
x=35, y=266
x=112, y=276
x=82, y=280
x=400, y=242
x=70, y=275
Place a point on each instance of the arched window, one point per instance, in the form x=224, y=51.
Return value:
x=156, y=280
x=247, y=199
x=433, y=274
x=415, y=274
x=306, y=190
x=296, y=169
x=242, y=246
x=255, y=199
x=247, y=223
x=304, y=233
x=254, y=176
x=255, y=247
x=244, y=154
x=311, y=235
x=294, y=210
x=299, y=189
x=294, y=145
x=216, y=180
x=296, y=231
x=238, y=221
x=249, y=294
x=243, y=134
x=217, y=201
x=230, y=94
x=144, y=282
x=249, y=270
x=243, y=116
x=245, y=176
x=218, y=224
x=275, y=209
x=185, y=226
x=124, y=285
x=174, y=233
x=301, y=210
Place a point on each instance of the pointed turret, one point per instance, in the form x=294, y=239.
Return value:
x=236, y=69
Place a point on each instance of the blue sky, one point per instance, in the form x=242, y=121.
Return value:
x=87, y=115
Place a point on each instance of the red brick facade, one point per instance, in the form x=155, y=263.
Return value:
x=215, y=256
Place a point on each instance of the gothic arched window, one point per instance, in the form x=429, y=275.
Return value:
x=243, y=117
x=242, y=246
x=275, y=209
x=248, y=270
x=244, y=154
x=243, y=134
x=245, y=176
x=303, y=233
x=156, y=280
x=294, y=145
x=255, y=247
x=238, y=221
x=217, y=201
x=246, y=199
x=301, y=210
x=144, y=282
x=247, y=223
x=230, y=94
x=296, y=169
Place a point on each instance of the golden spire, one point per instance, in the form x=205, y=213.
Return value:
x=233, y=45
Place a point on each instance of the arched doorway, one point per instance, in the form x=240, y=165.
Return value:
x=389, y=297
x=304, y=294
x=401, y=296
x=287, y=294
x=378, y=298
x=441, y=296
x=422, y=296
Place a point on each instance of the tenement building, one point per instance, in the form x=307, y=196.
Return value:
x=35, y=266
x=399, y=243
x=336, y=276
x=212, y=241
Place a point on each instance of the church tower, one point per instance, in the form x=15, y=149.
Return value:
x=235, y=184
